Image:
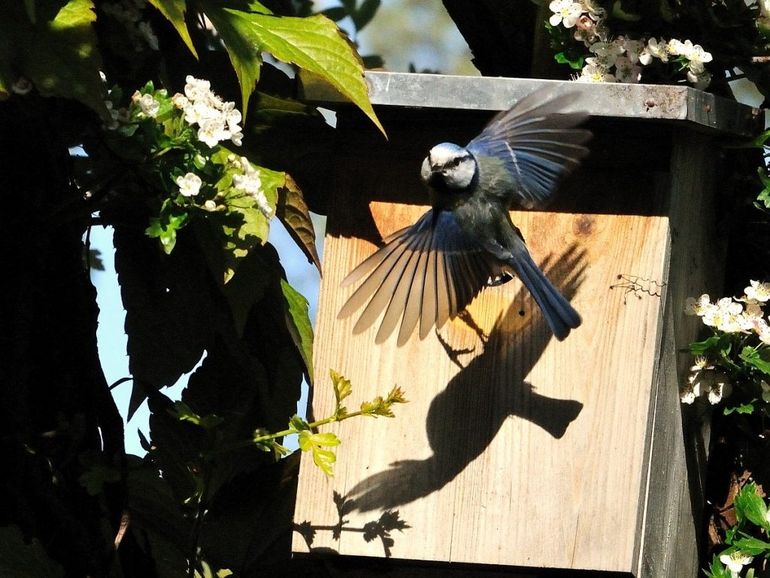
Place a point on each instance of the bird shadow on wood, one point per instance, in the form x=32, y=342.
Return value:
x=465, y=417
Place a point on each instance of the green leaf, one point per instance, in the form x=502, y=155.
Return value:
x=750, y=506
x=752, y=546
x=717, y=569
x=174, y=11
x=247, y=225
x=743, y=408
x=574, y=63
x=756, y=358
x=324, y=459
x=298, y=324
x=314, y=44
x=342, y=386
x=245, y=56
x=58, y=53
x=293, y=212
x=298, y=424
x=713, y=343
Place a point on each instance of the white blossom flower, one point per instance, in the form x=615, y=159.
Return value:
x=180, y=101
x=594, y=72
x=263, y=205
x=726, y=316
x=697, y=56
x=565, y=12
x=217, y=120
x=764, y=334
x=719, y=390
x=631, y=48
x=697, y=306
x=606, y=52
x=250, y=183
x=735, y=561
x=189, y=185
x=676, y=47
x=147, y=104
x=654, y=49
x=627, y=71
x=758, y=291
x=210, y=206
x=688, y=395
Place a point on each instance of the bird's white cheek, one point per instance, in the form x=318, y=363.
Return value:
x=425, y=171
x=461, y=176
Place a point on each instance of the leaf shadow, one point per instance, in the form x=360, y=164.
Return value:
x=465, y=417
x=379, y=528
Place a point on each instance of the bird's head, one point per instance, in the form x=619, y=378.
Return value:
x=448, y=168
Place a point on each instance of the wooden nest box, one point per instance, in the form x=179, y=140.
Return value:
x=517, y=452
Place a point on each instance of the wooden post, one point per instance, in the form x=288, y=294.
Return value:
x=517, y=451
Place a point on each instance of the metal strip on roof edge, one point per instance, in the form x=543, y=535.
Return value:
x=618, y=100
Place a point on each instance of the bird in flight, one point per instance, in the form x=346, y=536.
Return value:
x=429, y=272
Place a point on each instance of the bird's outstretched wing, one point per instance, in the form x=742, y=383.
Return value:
x=423, y=274
x=536, y=143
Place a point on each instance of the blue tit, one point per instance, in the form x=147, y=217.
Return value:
x=429, y=272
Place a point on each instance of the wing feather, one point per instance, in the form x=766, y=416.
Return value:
x=536, y=142
x=424, y=274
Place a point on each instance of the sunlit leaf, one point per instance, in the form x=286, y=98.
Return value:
x=342, y=386
x=314, y=44
x=174, y=11
x=298, y=323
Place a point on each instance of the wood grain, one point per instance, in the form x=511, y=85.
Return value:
x=514, y=449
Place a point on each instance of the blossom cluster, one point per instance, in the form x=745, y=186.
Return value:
x=743, y=316
x=621, y=59
x=705, y=381
x=248, y=182
x=217, y=120
x=210, y=177
x=730, y=315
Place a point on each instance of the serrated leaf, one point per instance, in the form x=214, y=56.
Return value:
x=244, y=55
x=174, y=11
x=755, y=358
x=293, y=212
x=298, y=324
x=324, y=459
x=59, y=54
x=314, y=44
x=743, y=408
x=329, y=439
x=342, y=386
x=750, y=506
x=752, y=546
x=298, y=424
